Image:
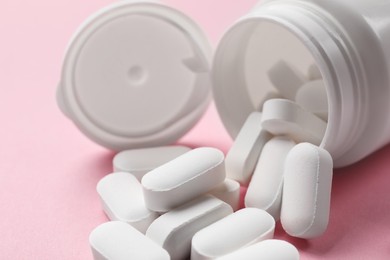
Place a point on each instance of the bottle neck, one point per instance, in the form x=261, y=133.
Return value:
x=339, y=65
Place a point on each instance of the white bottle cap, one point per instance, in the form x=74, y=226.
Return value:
x=136, y=74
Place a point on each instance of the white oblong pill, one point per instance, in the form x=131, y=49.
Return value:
x=175, y=229
x=268, y=250
x=242, y=156
x=116, y=240
x=122, y=199
x=183, y=179
x=306, y=191
x=141, y=161
x=229, y=192
x=314, y=72
x=265, y=189
x=285, y=117
x=269, y=95
x=286, y=79
x=312, y=96
x=241, y=229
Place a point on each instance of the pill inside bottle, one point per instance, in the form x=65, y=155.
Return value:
x=279, y=63
x=281, y=46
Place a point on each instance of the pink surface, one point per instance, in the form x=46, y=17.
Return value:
x=49, y=170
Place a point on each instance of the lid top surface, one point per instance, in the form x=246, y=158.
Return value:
x=130, y=76
x=136, y=74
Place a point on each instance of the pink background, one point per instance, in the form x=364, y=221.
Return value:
x=49, y=170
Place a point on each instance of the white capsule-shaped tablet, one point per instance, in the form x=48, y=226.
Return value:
x=183, y=179
x=229, y=192
x=265, y=189
x=141, y=161
x=242, y=156
x=286, y=79
x=312, y=96
x=241, y=229
x=306, y=191
x=268, y=250
x=269, y=95
x=314, y=72
x=285, y=117
x=116, y=240
x=175, y=229
x=122, y=199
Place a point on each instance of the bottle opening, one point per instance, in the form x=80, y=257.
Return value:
x=275, y=52
x=260, y=60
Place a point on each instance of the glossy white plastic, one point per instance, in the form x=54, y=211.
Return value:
x=347, y=40
x=135, y=75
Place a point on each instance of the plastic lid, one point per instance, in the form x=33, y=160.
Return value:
x=136, y=74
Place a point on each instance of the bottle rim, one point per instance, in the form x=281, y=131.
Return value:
x=333, y=56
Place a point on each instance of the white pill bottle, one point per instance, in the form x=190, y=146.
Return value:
x=348, y=40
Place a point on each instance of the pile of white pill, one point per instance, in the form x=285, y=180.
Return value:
x=277, y=153
x=176, y=203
